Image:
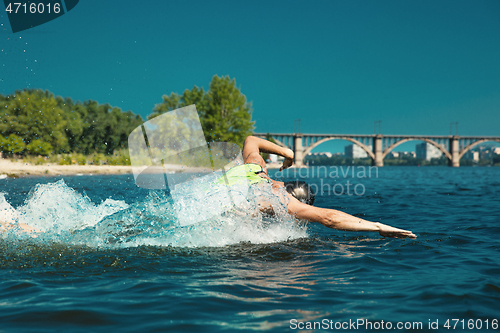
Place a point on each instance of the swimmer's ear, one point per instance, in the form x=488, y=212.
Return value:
x=301, y=191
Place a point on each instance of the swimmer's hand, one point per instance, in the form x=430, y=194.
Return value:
x=22, y=227
x=26, y=228
x=288, y=162
x=388, y=231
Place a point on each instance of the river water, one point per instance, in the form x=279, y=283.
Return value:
x=110, y=257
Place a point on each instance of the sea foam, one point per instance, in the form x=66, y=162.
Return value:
x=63, y=215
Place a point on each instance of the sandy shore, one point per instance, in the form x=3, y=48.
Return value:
x=24, y=169
x=12, y=169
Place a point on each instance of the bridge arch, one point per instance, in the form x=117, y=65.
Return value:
x=452, y=147
x=356, y=142
x=470, y=146
x=434, y=143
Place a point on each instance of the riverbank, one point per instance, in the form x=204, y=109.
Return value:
x=16, y=169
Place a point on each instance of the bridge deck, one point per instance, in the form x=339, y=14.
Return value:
x=382, y=135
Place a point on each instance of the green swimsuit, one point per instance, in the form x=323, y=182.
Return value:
x=246, y=174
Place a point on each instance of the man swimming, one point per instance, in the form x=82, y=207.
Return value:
x=256, y=173
x=330, y=218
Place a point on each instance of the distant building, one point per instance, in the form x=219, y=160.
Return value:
x=401, y=154
x=327, y=154
x=355, y=151
x=486, y=151
x=471, y=155
x=318, y=157
x=273, y=158
x=427, y=151
x=485, y=154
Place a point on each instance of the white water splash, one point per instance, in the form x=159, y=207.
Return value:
x=57, y=208
x=64, y=215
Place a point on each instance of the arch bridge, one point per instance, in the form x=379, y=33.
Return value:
x=453, y=147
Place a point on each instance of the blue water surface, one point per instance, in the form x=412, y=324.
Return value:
x=243, y=275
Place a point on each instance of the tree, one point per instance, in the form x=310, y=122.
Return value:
x=60, y=125
x=12, y=145
x=224, y=112
x=73, y=118
x=104, y=128
x=38, y=147
x=34, y=115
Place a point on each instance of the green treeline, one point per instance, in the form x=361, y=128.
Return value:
x=35, y=122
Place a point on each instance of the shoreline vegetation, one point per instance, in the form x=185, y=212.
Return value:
x=41, y=133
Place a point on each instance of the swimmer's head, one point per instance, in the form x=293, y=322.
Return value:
x=301, y=191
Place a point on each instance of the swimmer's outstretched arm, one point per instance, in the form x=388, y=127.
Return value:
x=253, y=146
x=330, y=218
x=335, y=219
x=4, y=226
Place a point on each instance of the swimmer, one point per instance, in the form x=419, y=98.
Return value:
x=8, y=218
x=304, y=210
x=255, y=171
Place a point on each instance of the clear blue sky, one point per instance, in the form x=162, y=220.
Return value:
x=337, y=65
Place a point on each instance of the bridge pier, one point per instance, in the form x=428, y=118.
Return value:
x=377, y=151
x=454, y=152
x=298, y=151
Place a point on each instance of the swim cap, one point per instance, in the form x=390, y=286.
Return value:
x=301, y=191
